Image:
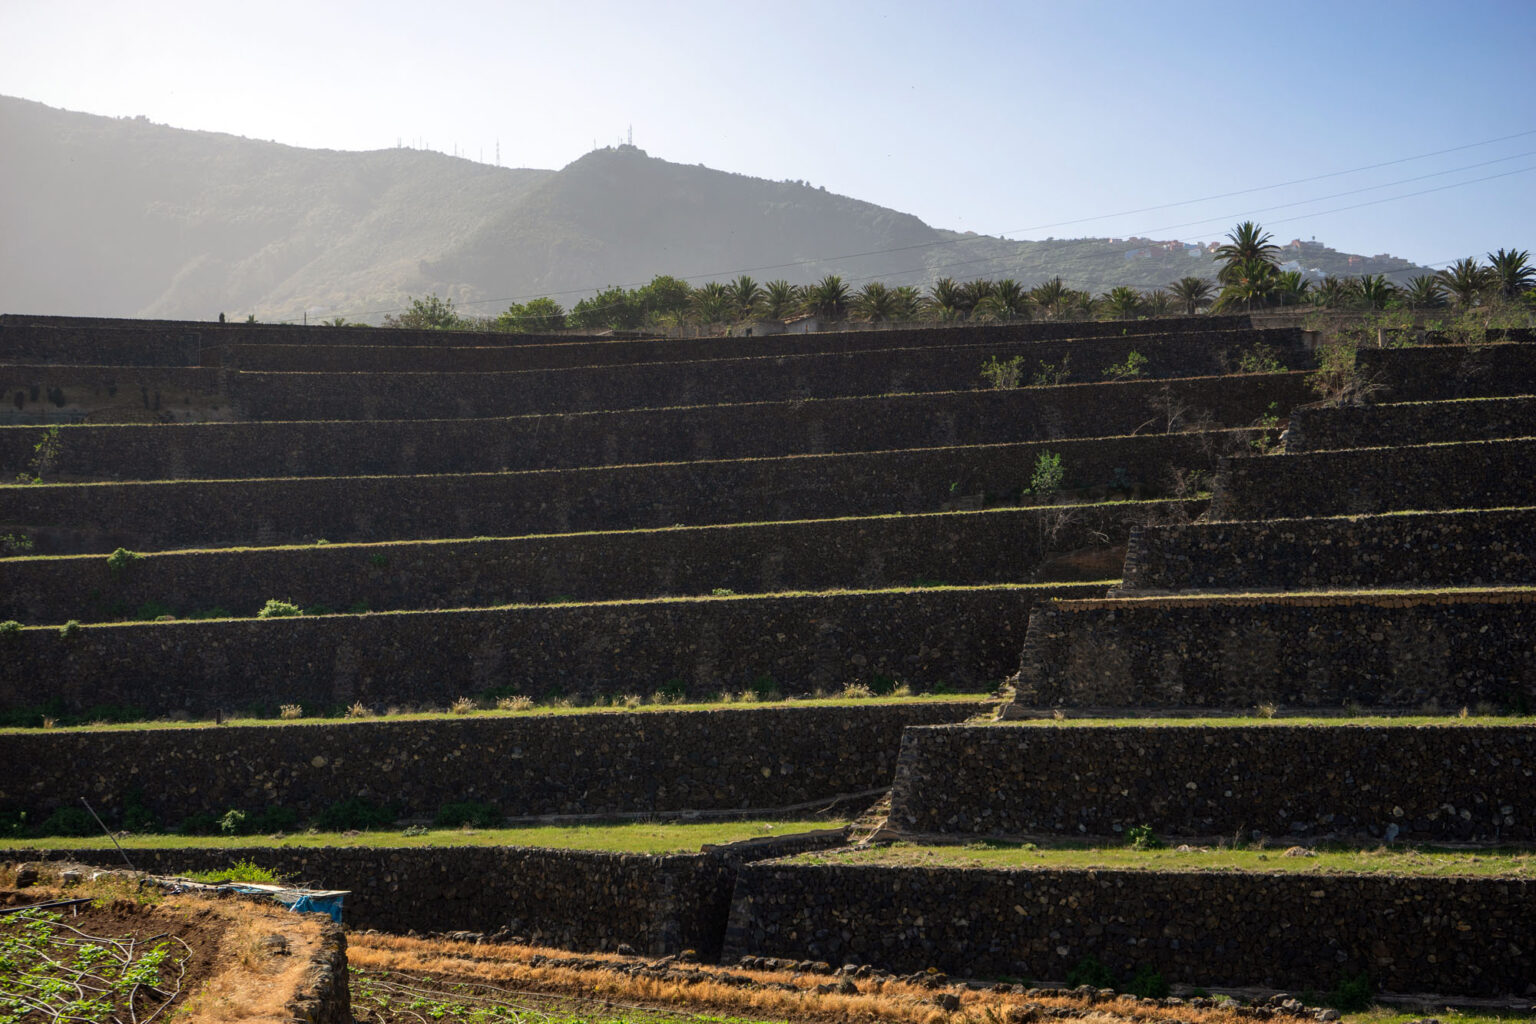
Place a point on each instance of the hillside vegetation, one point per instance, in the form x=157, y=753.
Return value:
x=122, y=217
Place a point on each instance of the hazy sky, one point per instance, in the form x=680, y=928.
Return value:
x=1027, y=119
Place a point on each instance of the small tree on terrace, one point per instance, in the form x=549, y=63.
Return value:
x=428, y=314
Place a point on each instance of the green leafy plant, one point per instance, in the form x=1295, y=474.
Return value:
x=15, y=544
x=467, y=812
x=122, y=559
x=240, y=871
x=1052, y=374
x=1135, y=365
x=70, y=630
x=1003, y=373
x=69, y=821
x=1090, y=971
x=357, y=813
x=1353, y=993
x=233, y=823
x=10, y=629
x=275, y=609
x=1048, y=475
x=1143, y=838
x=1260, y=358
x=1148, y=984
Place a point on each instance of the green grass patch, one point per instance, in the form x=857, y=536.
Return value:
x=239, y=871
x=635, y=837
x=1064, y=855
x=1446, y=1015
x=1249, y=720
x=746, y=701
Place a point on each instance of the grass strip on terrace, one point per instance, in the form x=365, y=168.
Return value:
x=1247, y=720
x=743, y=703
x=1043, y=588
x=1458, y=595
x=374, y=545
x=642, y=837
x=1066, y=856
x=1063, y=443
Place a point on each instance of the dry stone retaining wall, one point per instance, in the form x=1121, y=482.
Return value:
x=1436, y=373
x=1297, y=652
x=592, y=763
x=1361, y=481
x=959, y=548
x=1435, y=549
x=1410, y=783
x=1466, y=936
x=1400, y=423
x=145, y=516
x=964, y=639
x=320, y=448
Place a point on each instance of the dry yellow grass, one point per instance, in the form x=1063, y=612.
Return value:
x=255, y=980
x=507, y=967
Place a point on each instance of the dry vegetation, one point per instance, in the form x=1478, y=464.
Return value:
x=511, y=974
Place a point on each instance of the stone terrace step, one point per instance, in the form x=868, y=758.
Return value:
x=576, y=763
x=167, y=342
x=324, y=448
x=1348, y=781
x=109, y=394
x=1093, y=350
x=963, y=638
x=1398, y=423
x=955, y=548
x=1419, y=549
x=100, y=517
x=1442, y=372
x=1363, y=481
x=1376, y=649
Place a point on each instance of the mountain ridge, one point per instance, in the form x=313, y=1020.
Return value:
x=124, y=217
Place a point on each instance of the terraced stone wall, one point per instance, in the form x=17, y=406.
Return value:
x=1436, y=373
x=1298, y=652
x=481, y=352
x=1400, y=423
x=597, y=763
x=1356, y=782
x=964, y=639
x=145, y=516
x=1431, y=549
x=574, y=899
x=963, y=548
x=427, y=395
x=115, y=394
x=96, y=340
x=230, y=450
x=1473, y=474
x=1466, y=936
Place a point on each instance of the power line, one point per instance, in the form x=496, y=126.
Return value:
x=1002, y=236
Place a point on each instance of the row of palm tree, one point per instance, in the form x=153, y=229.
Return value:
x=1249, y=278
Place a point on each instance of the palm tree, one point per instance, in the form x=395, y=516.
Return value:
x=828, y=298
x=875, y=303
x=1424, y=292
x=947, y=299
x=1245, y=243
x=1081, y=304
x=973, y=293
x=1123, y=302
x=1512, y=271
x=1050, y=296
x=1467, y=279
x=1157, y=302
x=780, y=300
x=1374, y=291
x=1291, y=288
x=909, y=302
x=1331, y=293
x=1007, y=301
x=1194, y=292
x=712, y=303
x=1248, y=282
x=745, y=297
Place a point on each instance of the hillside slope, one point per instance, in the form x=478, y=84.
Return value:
x=122, y=217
